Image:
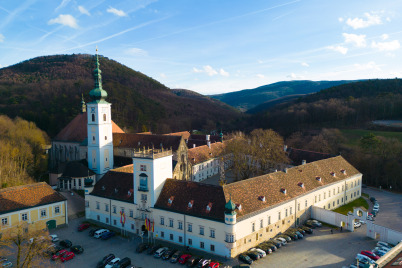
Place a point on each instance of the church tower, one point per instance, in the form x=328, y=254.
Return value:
x=100, y=137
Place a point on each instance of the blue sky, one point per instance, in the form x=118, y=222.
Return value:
x=212, y=46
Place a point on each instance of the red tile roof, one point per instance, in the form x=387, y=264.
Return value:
x=203, y=153
x=27, y=196
x=184, y=134
x=116, y=184
x=76, y=130
x=247, y=192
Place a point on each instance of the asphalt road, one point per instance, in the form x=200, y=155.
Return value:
x=390, y=214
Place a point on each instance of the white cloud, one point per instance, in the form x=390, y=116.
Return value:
x=223, y=72
x=66, y=20
x=1, y=38
x=162, y=75
x=340, y=19
x=340, y=49
x=83, y=10
x=294, y=76
x=62, y=4
x=368, y=66
x=117, y=12
x=261, y=76
x=369, y=20
x=358, y=40
x=305, y=64
x=136, y=51
x=210, y=71
x=386, y=46
x=260, y=61
x=384, y=36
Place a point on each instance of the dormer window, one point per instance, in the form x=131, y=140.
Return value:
x=190, y=204
x=116, y=191
x=332, y=174
x=261, y=198
x=318, y=179
x=238, y=207
x=343, y=171
x=103, y=187
x=129, y=193
x=301, y=184
x=170, y=200
x=209, y=207
x=283, y=190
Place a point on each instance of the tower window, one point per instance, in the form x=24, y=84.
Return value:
x=104, y=117
x=105, y=138
x=93, y=138
x=93, y=118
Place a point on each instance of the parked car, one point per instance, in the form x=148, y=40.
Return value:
x=77, y=249
x=266, y=248
x=51, y=250
x=160, y=252
x=307, y=229
x=364, y=259
x=105, y=260
x=270, y=245
x=300, y=230
x=168, y=254
x=253, y=255
x=141, y=247
x=107, y=235
x=286, y=237
x=281, y=239
x=382, y=248
x=316, y=223
x=151, y=250
x=259, y=251
x=357, y=224
x=6, y=264
x=203, y=263
x=292, y=235
x=112, y=263
x=67, y=256
x=123, y=263
x=372, y=199
x=66, y=243
x=92, y=231
x=59, y=254
x=370, y=254
x=83, y=226
x=379, y=252
x=175, y=257
x=384, y=244
x=213, y=265
x=277, y=244
x=193, y=261
x=54, y=238
x=183, y=258
x=374, y=213
x=245, y=258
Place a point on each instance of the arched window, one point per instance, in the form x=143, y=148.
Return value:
x=143, y=182
x=104, y=117
x=93, y=117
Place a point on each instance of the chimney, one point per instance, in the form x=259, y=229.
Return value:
x=209, y=143
x=207, y=137
x=286, y=170
x=193, y=145
x=285, y=147
x=303, y=162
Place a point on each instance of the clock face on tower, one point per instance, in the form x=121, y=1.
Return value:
x=93, y=109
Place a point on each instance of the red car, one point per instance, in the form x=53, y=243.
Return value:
x=370, y=254
x=59, y=254
x=67, y=256
x=83, y=227
x=213, y=265
x=183, y=258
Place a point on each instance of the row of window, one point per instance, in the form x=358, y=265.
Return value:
x=93, y=117
x=189, y=227
x=190, y=241
x=114, y=222
x=24, y=216
x=114, y=209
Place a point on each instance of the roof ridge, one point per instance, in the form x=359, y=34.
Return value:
x=17, y=187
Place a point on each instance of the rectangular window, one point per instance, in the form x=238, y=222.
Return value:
x=162, y=221
x=107, y=220
x=106, y=207
x=261, y=223
x=315, y=199
x=229, y=238
x=79, y=182
x=97, y=205
x=98, y=217
x=338, y=189
x=171, y=237
x=143, y=197
x=329, y=205
x=319, y=197
x=334, y=191
x=143, y=167
x=122, y=210
x=269, y=220
x=358, y=192
x=290, y=211
x=279, y=215
x=329, y=193
x=57, y=209
x=162, y=234
x=337, y=202
x=212, y=248
x=43, y=213
x=201, y=230
x=333, y=204
x=171, y=223
x=190, y=241
x=190, y=227
x=74, y=181
x=253, y=227
x=180, y=225
x=180, y=239
x=212, y=233
x=325, y=195
x=201, y=244
x=114, y=222
x=86, y=204
x=131, y=213
x=132, y=226
x=114, y=209
x=4, y=221
x=24, y=216
x=305, y=203
x=298, y=206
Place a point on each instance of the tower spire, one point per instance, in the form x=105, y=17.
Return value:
x=98, y=94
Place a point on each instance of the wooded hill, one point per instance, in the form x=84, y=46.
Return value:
x=344, y=106
x=247, y=99
x=47, y=90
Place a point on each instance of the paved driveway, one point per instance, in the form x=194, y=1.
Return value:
x=390, y=214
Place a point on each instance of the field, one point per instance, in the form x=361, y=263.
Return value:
x=353, y=135
x=360, y=202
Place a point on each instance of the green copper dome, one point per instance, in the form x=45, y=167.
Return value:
x=98, y=94
x=230, y=207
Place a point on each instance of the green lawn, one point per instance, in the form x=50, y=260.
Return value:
x=353, y=135
x=365, y=195
x=360, y=202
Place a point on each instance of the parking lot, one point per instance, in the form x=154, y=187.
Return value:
x=321, y=249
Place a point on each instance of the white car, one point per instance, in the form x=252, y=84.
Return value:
x=384, y=244
x=259, y=251
x=357, y=224
x=364, y=259
x=112, y=263
x=54, y=238
x=284, y=242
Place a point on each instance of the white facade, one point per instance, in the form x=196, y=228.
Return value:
x=205, y=169
x=100, y=137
